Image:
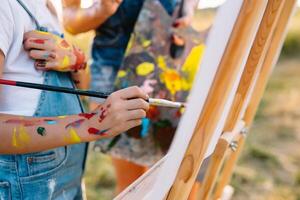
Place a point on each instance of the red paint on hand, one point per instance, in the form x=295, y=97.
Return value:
x=93, y=131
x=64, y=44
x=38, y=41
x=87, y=115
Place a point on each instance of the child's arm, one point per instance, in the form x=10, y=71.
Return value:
x=78, y=20
x=123, y=110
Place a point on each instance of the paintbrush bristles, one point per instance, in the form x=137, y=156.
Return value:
x=165, y=103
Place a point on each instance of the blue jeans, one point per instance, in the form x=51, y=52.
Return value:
x=52, y=174
x=111, y=42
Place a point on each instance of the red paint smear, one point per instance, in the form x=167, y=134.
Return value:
x=23, y=122
x=38, y=41
x=87, y=115
x=94, y=131
x=102, y=115
x=64, y=44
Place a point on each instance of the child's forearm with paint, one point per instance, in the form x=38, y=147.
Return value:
x=123, y=110
x=79, y=20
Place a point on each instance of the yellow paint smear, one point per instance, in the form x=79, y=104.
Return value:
x=14, y=138
x=73, y=137
x=23, y=135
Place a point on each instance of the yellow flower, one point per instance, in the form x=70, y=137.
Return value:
x=145, y=68
x=121, y=74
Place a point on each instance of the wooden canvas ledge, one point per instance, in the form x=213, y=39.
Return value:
x=242, y=47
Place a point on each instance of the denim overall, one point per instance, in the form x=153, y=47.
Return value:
x=51, y=174
x=111, y=42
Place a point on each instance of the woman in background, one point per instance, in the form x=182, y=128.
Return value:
x=113, y=32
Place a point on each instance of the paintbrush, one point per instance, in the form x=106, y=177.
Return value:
x=151, y=101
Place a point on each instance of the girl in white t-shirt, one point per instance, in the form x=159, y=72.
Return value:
x=36, y=127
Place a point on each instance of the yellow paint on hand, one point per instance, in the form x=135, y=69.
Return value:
x=145, y=68
x=73, y=137
x=61, y=117
x=14, y=138
x=64, y=66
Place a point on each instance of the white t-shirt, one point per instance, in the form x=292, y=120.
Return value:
x=14, y=22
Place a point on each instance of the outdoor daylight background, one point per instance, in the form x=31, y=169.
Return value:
x=269, y=168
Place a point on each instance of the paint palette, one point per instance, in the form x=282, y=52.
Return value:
x=163, y=62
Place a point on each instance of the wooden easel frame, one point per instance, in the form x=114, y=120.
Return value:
x=222, y=109
x=269, y=61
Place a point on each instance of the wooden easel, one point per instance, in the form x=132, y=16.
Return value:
x=263, y=56
x=231, y=101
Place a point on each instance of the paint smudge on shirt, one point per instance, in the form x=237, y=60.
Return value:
x=145, y=68
x=145, y=127
x=87, y=115
x=75, y=124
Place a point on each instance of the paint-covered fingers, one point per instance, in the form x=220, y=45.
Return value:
x=41, y=44
x=132, y=93
x=42, y=55
x=40, y=35
x=44, y=65
x=139, y=103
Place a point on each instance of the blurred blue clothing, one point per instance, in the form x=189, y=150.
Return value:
x=111, y=41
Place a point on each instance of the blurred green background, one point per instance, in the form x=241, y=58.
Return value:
x=269, y=167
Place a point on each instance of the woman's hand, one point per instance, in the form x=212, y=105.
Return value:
x=183, y=22
x=123, y=110
x=53, y=53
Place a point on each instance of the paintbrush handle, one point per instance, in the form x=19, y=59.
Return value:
x=54, y=88
x=151, y=101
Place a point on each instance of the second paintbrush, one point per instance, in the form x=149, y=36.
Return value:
x=152, y=101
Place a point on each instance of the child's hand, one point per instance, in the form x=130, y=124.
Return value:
x=122, y=111
x=53, y=53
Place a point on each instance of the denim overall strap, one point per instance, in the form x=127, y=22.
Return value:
x=51, y=174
